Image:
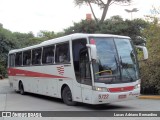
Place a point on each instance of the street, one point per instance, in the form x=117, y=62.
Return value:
x=12, y=101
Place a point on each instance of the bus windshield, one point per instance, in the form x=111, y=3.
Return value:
x=116, y=61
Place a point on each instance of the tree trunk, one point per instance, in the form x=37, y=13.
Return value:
x=105, y=11
x=93, y=12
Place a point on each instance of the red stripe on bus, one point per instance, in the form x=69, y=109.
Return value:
x=19, y=72
x=121, y=89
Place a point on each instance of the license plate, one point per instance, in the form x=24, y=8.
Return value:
x=122, y=96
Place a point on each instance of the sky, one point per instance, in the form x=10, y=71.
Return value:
x=55, y=15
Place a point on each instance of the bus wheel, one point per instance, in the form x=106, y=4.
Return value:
x=21, y=88
x=67, y=97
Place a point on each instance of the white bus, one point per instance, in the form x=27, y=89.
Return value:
x=88, y=68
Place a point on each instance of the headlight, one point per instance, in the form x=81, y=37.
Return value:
x=137, y=86
x=102, y=89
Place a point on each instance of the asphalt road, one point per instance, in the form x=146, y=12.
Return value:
x=12, y=101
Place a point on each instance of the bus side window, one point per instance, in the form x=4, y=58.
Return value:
x=27, y=57
x=18, y=59
x=36, y=56
x=62, y=53
x=48, y=55
x=11, y=60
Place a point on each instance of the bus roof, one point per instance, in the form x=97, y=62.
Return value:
x=66, y=38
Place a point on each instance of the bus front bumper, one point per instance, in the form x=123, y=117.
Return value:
x=110, y=97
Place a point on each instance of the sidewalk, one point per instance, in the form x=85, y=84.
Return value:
x=155, y=97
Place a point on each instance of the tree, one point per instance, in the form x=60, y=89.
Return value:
x=150, y=70
x=7, y=42
x=102, y=4
x=114, y=25
x=1, y=25
x=22, y=39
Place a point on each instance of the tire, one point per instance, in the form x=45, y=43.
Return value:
x=1, y=77
x=21, y=88
x=67, y=97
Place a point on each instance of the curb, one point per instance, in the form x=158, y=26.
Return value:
x=155, y=97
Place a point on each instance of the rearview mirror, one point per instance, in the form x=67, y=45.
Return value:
x=93, y=50
x=145, y=51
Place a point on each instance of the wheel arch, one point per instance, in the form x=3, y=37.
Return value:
x=64, y=94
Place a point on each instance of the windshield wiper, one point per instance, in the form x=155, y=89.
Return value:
x=125, y=67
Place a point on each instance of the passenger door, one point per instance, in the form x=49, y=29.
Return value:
x=85, y=76
x=83, y=84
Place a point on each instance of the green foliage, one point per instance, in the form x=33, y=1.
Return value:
x=114, y=25
x=6, y=44
x=15, y=40
x=150, y=70
x=9, y=40
x=128, y=28
x=22, y=39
